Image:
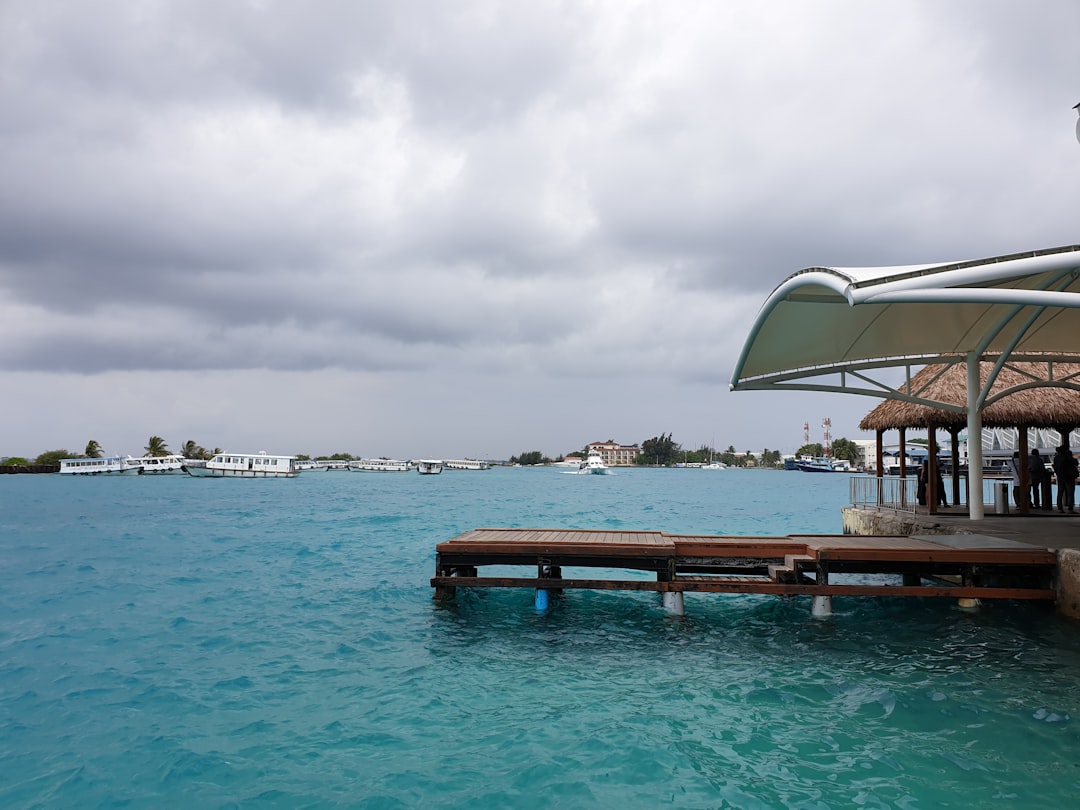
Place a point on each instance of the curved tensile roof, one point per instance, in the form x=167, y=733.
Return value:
x=828, y=329
x=1041, y=395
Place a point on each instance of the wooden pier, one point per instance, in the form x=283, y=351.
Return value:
x=957, y=566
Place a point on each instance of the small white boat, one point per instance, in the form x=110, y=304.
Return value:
x=106, y=465
x=245, y=465
x=466, y=464
x=311, y=465
x=380, y=465
x=161, y=465
x=593, y=465
x=714, y=465
x=429, y=466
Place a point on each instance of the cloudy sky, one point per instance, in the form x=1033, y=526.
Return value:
x=482, y=228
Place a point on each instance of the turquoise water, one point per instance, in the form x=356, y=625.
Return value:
x=220, y=643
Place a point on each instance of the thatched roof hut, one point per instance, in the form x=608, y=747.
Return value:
x=1039, y=399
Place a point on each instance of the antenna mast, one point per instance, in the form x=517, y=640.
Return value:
x=827, y=425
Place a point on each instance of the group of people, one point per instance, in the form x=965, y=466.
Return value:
x=1066, y=471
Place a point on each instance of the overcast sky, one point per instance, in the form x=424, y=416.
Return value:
x=482, y=228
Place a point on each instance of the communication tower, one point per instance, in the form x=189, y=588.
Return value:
x=805, y=433
x=827, y=425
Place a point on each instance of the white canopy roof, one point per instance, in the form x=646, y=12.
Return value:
x=824, y=328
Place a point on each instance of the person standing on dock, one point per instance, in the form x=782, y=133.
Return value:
x=1014, y=468
x=924, y=485
x=1036, y=471
x=1065, y=468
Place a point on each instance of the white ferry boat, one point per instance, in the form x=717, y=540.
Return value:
x=380, y=465
x=429, y=466
x=106, y=465
x=161, y=465
x=245, y=465
x=466, y=464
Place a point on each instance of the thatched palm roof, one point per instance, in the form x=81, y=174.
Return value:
x=1042, y=406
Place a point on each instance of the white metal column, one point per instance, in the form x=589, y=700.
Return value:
x=974, y=431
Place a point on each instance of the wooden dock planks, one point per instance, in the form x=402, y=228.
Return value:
x=792, y=565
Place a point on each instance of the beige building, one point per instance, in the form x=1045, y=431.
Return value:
x=615, y=454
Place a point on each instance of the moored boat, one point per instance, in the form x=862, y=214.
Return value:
x=429, y=466
x=161, y=465
x=466, y=464
x=106, y=465
x=380, y=465
x=822, y=464
x=245, y=465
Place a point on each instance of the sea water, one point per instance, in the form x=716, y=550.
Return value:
x=169, y=641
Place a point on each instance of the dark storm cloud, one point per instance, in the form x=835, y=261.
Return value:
x=563, y=192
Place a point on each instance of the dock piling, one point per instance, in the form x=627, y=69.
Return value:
x=673, y=603
x=541, y=602
x=821, y=607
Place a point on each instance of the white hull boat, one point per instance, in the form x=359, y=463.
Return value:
x=466, y=464
x=245, y=465
x=161, y=465
x=593, y=465
x=107, y=465
x=428, y=466
x=380, y=465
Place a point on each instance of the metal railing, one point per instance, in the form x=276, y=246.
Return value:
x=901, y=494
x=887, y=492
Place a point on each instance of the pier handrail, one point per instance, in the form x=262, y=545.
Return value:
x=888, y=492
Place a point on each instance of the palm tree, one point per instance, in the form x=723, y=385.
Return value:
x=156, y=447
x=190, y=449
x=93, y=449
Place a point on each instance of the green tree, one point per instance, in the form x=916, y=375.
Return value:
x=192, y=450
x=156, y=447
x=813, y=449
x=54, y=456
x=660, y=450
x=729, y=458
x=771, y=458
x=845, y=449
x=15, y=461
x=93, y=450
x=530, y=458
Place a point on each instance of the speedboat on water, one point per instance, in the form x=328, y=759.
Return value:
x=106, y=465
x=245, y=465
x=593, y=465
